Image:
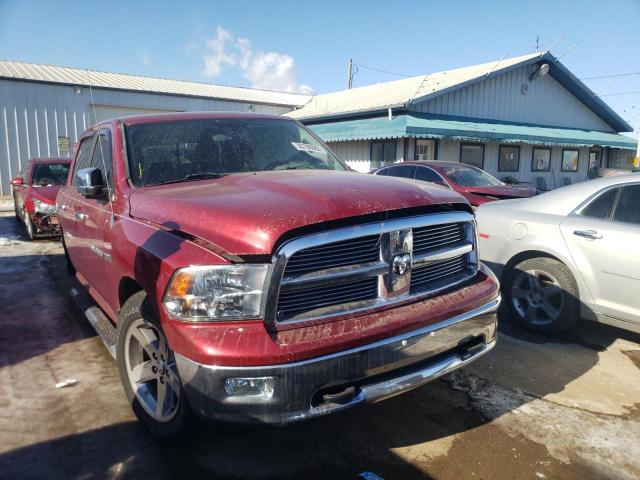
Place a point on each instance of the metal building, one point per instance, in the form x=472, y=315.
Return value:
x=526, y=117
x=43, y=109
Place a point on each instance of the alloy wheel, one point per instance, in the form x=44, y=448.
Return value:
x=151, y=370
x=537, y=297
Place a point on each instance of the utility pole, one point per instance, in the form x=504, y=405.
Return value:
x=537, y=43
x=350, y=74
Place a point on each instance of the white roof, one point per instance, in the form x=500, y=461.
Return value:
x=400, y=92
x=120, y=81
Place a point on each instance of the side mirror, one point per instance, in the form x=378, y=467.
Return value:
x=17, y=182
x=89, y=182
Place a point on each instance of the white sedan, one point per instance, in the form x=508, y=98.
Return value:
x=570, y=253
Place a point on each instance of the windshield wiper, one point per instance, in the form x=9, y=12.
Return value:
x=203, y=175
x=192, y=176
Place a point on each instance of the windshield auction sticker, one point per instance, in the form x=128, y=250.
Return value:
x=306, y=147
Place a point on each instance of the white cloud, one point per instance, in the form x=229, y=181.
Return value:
x=216, y=57
x=145, y=59
x=266, y=70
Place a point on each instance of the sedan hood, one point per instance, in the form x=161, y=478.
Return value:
x=247, y=213
x=46, y=194
x=503, y=191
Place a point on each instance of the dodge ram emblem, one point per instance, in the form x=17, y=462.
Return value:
x=401, y=263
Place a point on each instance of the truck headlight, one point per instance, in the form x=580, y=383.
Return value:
x=221, y=292
x=44, y=208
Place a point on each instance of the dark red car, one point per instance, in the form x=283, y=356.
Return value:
x=34, y=194
x=476, y=185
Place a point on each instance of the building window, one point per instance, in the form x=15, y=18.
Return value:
x=620, y=158
x=569, y=160
x=541, y=160
x=472, y=154
x=508, y=158
x=383, y=153
x=425, y=150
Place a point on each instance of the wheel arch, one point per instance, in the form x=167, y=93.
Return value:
x=526, y=255
x=127, y=287
x=585, y=295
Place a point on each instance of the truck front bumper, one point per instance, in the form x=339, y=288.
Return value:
x=331, y=383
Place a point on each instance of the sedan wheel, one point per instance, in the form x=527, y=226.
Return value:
x=542, y=294
x=537, y=297
x=151, y=370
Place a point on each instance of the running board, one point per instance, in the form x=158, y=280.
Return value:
x=98, y=320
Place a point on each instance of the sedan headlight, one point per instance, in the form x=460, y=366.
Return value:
x=44, y=208
x=222, y=292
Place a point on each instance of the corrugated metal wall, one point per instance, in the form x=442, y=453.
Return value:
x=546, y=102
x=33, y=115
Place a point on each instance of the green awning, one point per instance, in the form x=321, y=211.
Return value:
x=433, y=126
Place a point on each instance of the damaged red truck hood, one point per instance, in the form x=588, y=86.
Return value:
x=247, y=213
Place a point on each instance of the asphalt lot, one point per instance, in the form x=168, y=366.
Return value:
x=535, y=407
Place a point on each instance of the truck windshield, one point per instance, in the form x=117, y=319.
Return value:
x=183, y=150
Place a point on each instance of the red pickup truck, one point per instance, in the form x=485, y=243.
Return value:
x=241, y=272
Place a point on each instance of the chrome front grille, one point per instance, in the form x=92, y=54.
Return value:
x=424, y=277
x=437, y=236
x=338, y=254
x=306, y=300
x=370, y=266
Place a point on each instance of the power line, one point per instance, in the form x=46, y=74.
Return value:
x=620, y=93
x=612, y=75
x=383, y=71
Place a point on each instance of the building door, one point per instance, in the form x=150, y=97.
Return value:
x=594, y=163
x=425, y=150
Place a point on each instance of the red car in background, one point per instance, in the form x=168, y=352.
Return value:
x=476, y=185
x=34, y=195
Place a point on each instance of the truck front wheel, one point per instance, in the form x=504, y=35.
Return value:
x=148, y=370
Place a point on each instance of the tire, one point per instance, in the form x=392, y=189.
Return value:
x=542, y=295
x=29, y=228
x=155, y=362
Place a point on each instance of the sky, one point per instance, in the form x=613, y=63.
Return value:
x=305, y=46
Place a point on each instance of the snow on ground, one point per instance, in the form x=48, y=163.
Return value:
x=7, y=240
x=6, y=204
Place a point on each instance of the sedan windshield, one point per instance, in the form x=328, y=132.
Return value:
x=183, y=150
x=471, y=177
x=45, y=174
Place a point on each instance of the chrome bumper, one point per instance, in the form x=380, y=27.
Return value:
x=370, y=373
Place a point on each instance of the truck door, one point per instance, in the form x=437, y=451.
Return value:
x=603, y=241
x=70, y=209
x=96, y=220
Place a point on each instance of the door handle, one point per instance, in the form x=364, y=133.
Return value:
x=590, y=234
x=81, y=217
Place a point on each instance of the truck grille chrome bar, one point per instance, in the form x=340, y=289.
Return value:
x=370, y=267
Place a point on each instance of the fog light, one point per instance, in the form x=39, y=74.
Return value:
x=261, y=387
